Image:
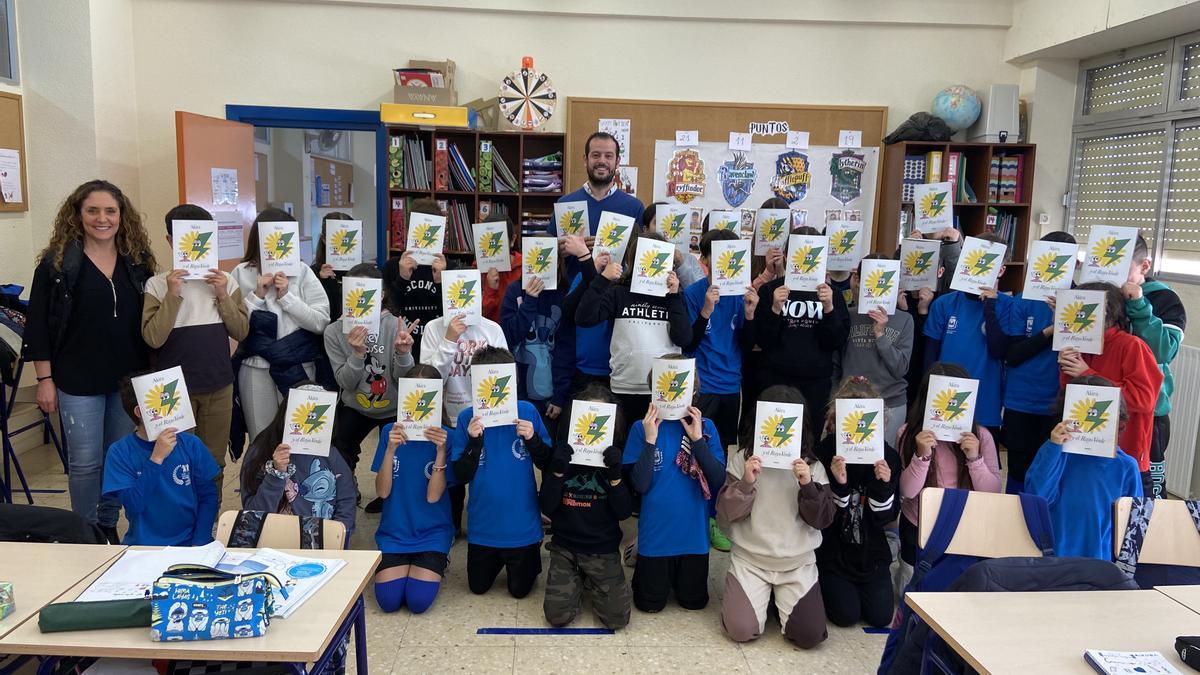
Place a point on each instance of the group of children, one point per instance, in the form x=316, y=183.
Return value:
x=820, y=539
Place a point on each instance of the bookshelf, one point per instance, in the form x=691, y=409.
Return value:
x=466, y=198
x=975, y=169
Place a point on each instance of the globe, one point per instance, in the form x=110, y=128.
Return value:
x=957, y=106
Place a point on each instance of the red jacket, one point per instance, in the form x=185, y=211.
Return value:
x=494, y=297
x=1130, y=365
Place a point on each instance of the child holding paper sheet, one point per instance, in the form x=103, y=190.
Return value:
x=644, y=326
x=1080, y=489
x=366, y=365
x=585, y=505
x=415, y=529
x=854, y=558
x=774, y=518
x=1127, y=362
x=687, y=267
x=530, y=318
x=288, y=314
x=495, y=282
x=878, y=348
x=414, y=291
x=330, y=278
x=166, y=485
x=970, y=464
x=276, y=481
x=189, y=324
x=506, y=527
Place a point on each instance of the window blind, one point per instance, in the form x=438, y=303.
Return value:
x=1181, y=237
x=1190, y=82
x=1117, y=181
x=1134, y=84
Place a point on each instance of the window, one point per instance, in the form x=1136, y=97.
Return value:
x=8, y=44
x=1136, y=149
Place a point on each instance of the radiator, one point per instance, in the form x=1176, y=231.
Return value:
x=1185, y=423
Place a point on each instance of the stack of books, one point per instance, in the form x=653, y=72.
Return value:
x=416, y=165
x=536, y=223
x=1003, y=224
x=458, y=226
x=543, y=174
x=494, y=174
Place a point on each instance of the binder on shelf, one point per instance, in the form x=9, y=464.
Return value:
x=441, y=165
x=485, y=166
x=933, y=166
x=994, y=178
x=914, y=174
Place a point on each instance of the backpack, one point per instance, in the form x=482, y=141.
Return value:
x=1149, y=575
x=936, y=570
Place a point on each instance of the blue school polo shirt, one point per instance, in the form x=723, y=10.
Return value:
x=719, y=356
x=1031, y=387
x=957, y=320
x=409, y=523
x=502, y=504
x=674, y=515
x=170, y=519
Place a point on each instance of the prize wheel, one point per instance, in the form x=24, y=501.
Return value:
x=527, y=97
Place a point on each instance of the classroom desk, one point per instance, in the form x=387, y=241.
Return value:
x=308, y=636
x=1188, y=596
x=1048, y=632
x=40, y=573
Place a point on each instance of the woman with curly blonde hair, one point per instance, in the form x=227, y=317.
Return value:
x=84, y=332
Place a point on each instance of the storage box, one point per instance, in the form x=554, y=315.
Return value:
x=429, y=115
x=488, y=112
x=409, y=89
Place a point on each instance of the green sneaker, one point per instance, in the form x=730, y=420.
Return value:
x=716, y=537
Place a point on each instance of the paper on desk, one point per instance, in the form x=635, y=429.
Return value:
x=300, y=576
x=132, y=575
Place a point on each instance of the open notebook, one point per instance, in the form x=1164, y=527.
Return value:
x=135, y=572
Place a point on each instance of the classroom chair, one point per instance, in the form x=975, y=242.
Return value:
x=1169, y=551
x=281, y=531
x=995, y=525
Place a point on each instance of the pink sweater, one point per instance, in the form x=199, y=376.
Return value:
x=984, y=470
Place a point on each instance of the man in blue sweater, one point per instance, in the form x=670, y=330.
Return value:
x=600, y=153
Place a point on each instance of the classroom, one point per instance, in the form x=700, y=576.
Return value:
x=374, y=336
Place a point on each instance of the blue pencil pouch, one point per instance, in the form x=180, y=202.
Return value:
x=194, y=602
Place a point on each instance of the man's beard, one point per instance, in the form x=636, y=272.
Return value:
x=600, y=181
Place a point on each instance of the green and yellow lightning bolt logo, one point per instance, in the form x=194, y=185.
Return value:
x=492, y=244
x=162, y=400
x=591, y=428
x=842, y=241
x=343, y=241
x=279, y=245
x=672, y=385
x=1077, y=317
x=493, y=391
x=672, y=225
x=730, y=264
x=979, y=262
x=859, y=426
x=539, y=259
x=611, y=234
x=425, y=235
x=933, y=203
x=1109, y=251
x=194, y=245
x=776, y=431
x=879, y=283
x=360, y=302
x=571, y=222
x=1050, y=267
x=950, y=404
x=461, y=294
x=1089, y=415
x=653, y=263
x=418, y=405
x=772, y=228
x=308, y=418
x=807, y=258
x=917, y=263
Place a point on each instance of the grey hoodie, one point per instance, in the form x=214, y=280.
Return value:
x=883, y=361
x=368, y=385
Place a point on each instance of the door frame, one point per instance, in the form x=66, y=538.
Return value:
x=338, y=120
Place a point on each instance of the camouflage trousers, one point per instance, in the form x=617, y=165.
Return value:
x=601, y=575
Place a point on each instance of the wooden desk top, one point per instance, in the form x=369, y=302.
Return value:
x=1188, y=596
x=1048, y=632
x=42, y=572
x=302, y=637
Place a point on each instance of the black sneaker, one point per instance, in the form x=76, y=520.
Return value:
x=374, y=506
x=110, y=533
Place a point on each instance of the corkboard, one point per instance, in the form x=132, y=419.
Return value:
x=658, y=120
x=338, y=176
x=12, y=137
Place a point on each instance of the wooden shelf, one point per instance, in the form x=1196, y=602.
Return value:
x=972, y=216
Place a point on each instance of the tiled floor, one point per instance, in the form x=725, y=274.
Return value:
x=445, y=639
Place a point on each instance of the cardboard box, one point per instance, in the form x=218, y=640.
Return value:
x=488, y=112
x=421, y=95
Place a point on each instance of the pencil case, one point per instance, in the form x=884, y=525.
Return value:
x=64, y=616
x=193, y=602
